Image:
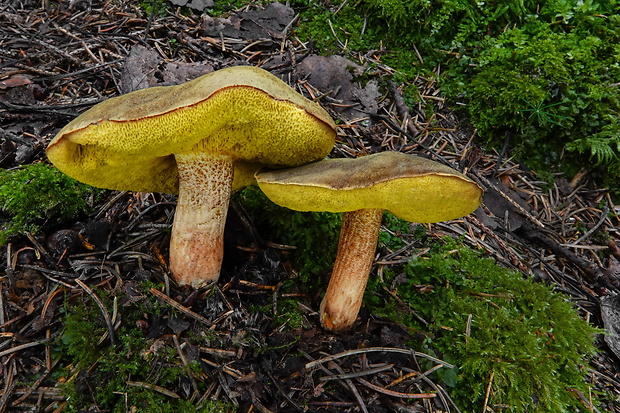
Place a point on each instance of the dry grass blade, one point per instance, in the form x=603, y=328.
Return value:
x=163, y=297
x=347, y=353
x=153, y=387
x=349, y=383
x=104, y=311
x=357, y=373
x=19, y=348
x=393, y=393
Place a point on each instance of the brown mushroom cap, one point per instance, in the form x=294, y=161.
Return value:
x=244, y=112
x=411, y=187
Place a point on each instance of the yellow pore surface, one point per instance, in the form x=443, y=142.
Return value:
x=423, y=196
x=129, y=142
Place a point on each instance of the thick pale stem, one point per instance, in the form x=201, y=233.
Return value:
x=356, y=253
x=197, y=241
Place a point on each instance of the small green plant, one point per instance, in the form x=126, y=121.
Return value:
x=395, y=231
x=34, y=193
x=541, y=114
x=222, y=7
x=155, y=7
x=289, y=317
x=516, y=343
x=602, y=150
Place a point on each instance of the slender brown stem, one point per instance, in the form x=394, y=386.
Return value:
x=356, y=253
x=197, y=241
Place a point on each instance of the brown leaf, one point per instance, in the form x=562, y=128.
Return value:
x=254, y=24
x=610, y=311
x=332, y=75
x=200, y=5
x=15, y=81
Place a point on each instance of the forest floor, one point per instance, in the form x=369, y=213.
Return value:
x=56, y=61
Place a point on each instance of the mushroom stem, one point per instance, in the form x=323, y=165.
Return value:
x=356, y=253
x=197, y=240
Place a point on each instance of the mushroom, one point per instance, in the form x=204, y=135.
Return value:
x=200, y=139
x=410, y=187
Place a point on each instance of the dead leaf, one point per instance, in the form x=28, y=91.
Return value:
x=178, y=324
x=15, y=81
x=7, y=152
x=610, y=311
x=200, y=5
x=334, y=75
x=30, y=279
x=180, y=72
x=139, y=70
x=254, y=24
x=501, y=208
x=145, y=68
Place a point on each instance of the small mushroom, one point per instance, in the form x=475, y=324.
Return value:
x=410, y=187
x=200, y=139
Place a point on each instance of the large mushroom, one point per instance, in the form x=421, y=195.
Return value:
x=200, y=139
x=410, y=187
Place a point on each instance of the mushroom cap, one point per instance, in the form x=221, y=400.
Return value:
x=411, y=187
x=128, y=142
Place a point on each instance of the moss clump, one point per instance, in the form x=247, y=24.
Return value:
x=525, y=340
x=350, y=28
x=125, y=377
x=155, y=7
x=37, y=192
x=550, y=87
x=226, y=6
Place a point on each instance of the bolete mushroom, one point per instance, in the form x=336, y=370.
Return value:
x=410, y=187
x=194, y=139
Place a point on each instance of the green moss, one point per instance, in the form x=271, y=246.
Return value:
x=337, y=32
x=155, y=7
x=524, y=338
x=119, y=378
x=551, y=89
x=289, y=316
x=38, y=192
x=395, y=232
x=223, y=7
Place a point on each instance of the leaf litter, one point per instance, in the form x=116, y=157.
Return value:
x=57, y=62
